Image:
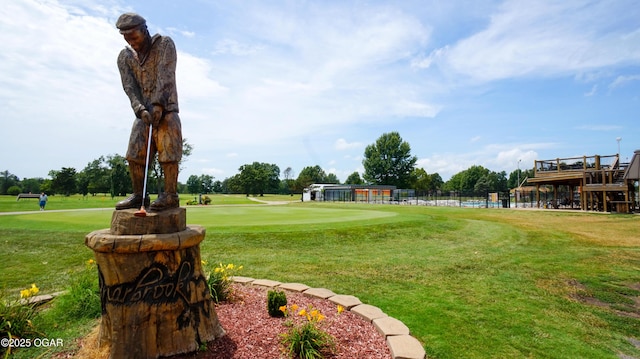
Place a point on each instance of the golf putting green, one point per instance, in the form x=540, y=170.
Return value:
x=258, y=217
x=225, y=216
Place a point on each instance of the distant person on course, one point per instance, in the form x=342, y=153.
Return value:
x=43, y=200
x=147, y=70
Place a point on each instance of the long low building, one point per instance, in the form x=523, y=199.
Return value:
x=348, y=193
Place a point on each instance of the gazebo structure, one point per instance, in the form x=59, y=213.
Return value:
x=603, y=183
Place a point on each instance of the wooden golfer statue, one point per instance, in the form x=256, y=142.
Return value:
x=147, y=69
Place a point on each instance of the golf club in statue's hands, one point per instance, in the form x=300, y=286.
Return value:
x=143, y=212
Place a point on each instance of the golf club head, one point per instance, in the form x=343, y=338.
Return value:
x=141, y=213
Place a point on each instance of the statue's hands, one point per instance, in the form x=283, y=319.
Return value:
x=156, y=115
x=146, y=117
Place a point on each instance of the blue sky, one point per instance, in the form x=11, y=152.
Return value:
x=305, y=83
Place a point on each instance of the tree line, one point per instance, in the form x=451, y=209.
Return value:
x=388, y=161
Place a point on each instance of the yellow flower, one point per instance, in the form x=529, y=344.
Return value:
x=294, y=307
x=25, y=293
x=320, y=317
x=204, y=263
x=218, y=270
x=90, y=261
x=302, y=313
x=230, y=266
x=283, y=309
x=340, y=309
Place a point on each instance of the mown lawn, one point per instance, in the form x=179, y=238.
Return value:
x=469, y=283
x=103, y=200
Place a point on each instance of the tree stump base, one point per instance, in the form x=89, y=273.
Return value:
x=154, y=295
x=169, y=221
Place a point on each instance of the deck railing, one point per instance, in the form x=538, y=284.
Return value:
x=575, y=164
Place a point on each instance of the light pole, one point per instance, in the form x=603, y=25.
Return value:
x=518, y=186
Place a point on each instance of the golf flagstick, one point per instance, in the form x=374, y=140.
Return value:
x=142, y=212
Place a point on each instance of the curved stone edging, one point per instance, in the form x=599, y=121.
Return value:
x=399, y=340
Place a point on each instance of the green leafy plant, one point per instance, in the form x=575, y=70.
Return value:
x=276, y=299
x=219, y=281
x=16, y=317
x=307, y=340
x=82, y=300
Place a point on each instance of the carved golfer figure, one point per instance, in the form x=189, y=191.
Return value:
x=147, y=70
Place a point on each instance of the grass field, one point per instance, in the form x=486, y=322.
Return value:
x=469, y=283
x=10, y=204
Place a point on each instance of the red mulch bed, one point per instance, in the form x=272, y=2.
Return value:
x=251, y=333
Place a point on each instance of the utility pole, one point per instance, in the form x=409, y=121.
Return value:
x=518, y=187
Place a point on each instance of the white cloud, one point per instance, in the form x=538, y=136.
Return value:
x=495, y=157
x=543, y=38
x=194, y=79
x=185, y=33
x=623, y=80
x=509, y=160
x=593, y=91
x=342, y=144
x=234, y=47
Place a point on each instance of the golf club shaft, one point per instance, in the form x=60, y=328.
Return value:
x=146, y=166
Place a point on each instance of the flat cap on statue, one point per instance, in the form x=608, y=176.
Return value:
x=129, y=21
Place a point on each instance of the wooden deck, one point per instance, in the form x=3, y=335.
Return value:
x=600, y=181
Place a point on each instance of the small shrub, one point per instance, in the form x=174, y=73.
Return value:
x=219, y=281
x=14, y=190
x=276, y=299
x=206, y=200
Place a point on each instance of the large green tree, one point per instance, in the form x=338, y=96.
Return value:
x=389, y=161
x=217, y=187
x=354, y=178
x=64, y=181
x=477, y=179
x=519, y=174
x=259, y=178
x=435, y=182
x=120, y=182
x=31, y=185
x=420, y=180
x=7, y=180
x=232, y=184
x=207, y=183
x=288, y=183
x=95, y=178
x=309, y=175
x=332, y=179
x=193, y=184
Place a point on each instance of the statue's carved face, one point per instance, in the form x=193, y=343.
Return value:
x=136, y=39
